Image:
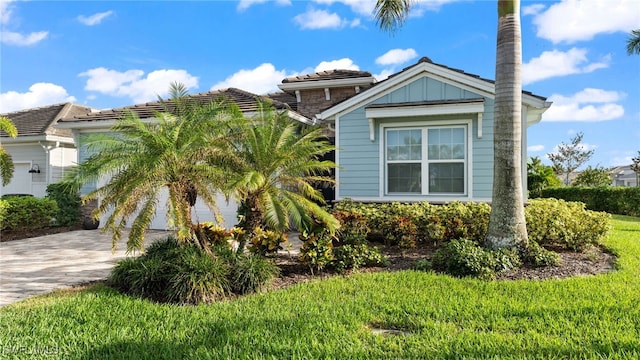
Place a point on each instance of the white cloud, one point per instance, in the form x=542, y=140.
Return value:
x=534, y=9
x=320, y=19
x=39, y=94
x=17, y=39
x=556, y=63
x=366, y=7
x=5, y=11
x=535, y=148
x=588, y=105
x=134, y=85
x=396, y=57
x=384, y=74
x=342, y=64
x=261, y=80
x=94, y=19
x=580, y=20
x=621, y=160
x=245, y=4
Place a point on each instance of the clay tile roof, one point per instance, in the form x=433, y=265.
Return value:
x=246, y=101
x=328, y=75
x=286, y=98
x=40, y=121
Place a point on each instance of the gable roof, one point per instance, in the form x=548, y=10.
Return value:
x=40, y=121
x=425, y=66
x=246, y=101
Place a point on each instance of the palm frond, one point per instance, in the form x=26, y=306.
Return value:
x=633, y=42
x=391, y=14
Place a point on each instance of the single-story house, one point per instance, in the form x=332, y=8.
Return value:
x=425, y=133
x=41, y=152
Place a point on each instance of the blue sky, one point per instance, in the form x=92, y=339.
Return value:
x=108, y=54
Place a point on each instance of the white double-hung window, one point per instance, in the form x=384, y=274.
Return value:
x=426, y=160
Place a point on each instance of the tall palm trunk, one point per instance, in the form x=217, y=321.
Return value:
x=507, y=226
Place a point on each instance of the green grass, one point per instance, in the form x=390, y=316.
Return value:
x=591, y=317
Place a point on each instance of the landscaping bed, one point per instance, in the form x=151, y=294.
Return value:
x=596, y=261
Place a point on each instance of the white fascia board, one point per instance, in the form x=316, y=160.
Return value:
x=321, y=84
x=37, y=138
x=455, y=78
x=424, y=110
x=290, y=114
x=96, y=124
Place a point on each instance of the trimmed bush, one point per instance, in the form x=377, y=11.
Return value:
x=266, y=242
x=569, y=225
x=317, y=248
x=614, y=200
x=25, y=213
x=355, y=256
x=171, y=272
x=537, y=256
x=251, y=273
x=353, y=227
x=4, y=206
x=462, y=257
x=69, y=203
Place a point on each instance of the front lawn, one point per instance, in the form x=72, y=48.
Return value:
x=433, y=316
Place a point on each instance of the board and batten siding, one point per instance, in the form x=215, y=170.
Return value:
x=359, y=157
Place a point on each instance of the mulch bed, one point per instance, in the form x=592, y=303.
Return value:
x=594, y=261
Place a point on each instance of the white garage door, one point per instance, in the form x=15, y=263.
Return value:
x=200, y=213
x=21, y=181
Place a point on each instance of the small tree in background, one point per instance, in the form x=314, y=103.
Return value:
x=6, y=162
x=570, y=157
x=593, y=177
x=540, y=176
x=636, y=167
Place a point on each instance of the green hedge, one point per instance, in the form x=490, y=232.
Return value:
x=26, y=213
x=549, y=222
x=614, y=200
x=68, y=204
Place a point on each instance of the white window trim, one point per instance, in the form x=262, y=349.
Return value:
x=475, y=107
x=468, y=185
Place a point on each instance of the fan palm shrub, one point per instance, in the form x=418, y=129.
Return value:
x=183, y=152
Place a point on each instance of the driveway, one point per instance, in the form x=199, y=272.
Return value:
x=39, y=265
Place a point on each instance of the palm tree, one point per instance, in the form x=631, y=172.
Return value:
x=181, y=152
x=277, y=165
x=633, y=42
x=6, y=162
x=507, y=227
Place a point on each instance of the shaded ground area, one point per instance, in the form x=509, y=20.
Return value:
x=595, y=261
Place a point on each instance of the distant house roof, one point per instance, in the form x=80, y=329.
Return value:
x=40, y=121
x=328, y=79
x=246, y=101
x=328, y=75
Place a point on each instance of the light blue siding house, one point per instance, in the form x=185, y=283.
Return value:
x=425, y=133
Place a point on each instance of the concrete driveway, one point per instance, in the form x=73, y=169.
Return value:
x=39, y=265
